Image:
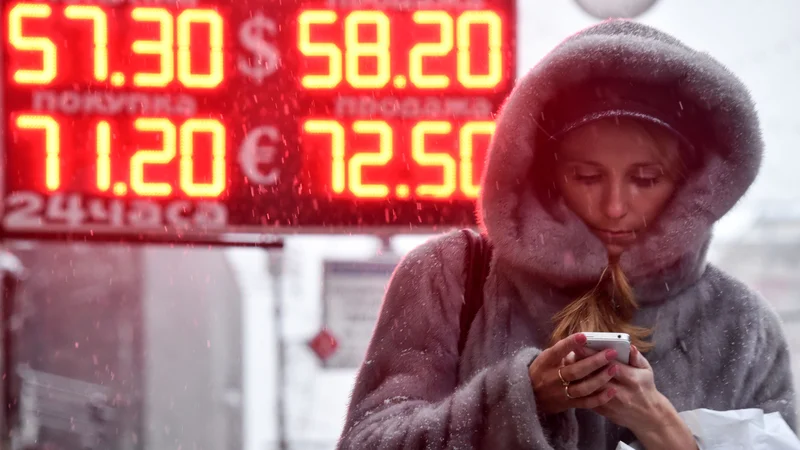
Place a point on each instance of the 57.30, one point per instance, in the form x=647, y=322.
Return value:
x=30, y=210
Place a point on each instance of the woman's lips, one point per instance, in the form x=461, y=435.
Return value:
x=616, y=237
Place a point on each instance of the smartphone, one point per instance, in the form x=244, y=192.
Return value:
x=621, y=342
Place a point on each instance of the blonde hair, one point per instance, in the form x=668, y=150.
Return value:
x=608, y=307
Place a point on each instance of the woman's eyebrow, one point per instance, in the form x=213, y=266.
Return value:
x=647, y=165
x=575, y=160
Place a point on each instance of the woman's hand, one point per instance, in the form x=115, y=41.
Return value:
x=589, y=378
x=641, y=408
x=638, y=405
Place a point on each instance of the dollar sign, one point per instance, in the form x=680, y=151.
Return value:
x=265, y=57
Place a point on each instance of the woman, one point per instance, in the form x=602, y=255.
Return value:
x=611, y=162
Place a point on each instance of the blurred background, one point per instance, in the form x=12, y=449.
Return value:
x=197, y=347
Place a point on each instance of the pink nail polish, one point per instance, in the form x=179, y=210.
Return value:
x=611, y=355
x=612, y=370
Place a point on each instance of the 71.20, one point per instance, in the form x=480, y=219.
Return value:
x=168, y=132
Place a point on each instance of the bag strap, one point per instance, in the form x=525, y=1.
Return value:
x=478, y=258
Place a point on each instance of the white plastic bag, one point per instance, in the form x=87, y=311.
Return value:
x=737, y=429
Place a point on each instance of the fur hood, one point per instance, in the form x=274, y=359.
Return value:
x=551, y=242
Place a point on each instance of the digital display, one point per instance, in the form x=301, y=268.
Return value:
x=204, y=118
x=425, y=51
x=91, y=45
x=379, y=159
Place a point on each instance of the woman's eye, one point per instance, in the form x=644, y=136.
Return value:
x=646, y=181
x=588, y=179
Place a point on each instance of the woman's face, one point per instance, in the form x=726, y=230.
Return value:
x=616, y=176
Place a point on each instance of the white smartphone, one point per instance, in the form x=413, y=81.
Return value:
x=621, y=342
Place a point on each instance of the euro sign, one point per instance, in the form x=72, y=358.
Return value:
x=264, y=58
x=258, y=152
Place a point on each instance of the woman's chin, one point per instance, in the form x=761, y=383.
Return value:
x=615, y=250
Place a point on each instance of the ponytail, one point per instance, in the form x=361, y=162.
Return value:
x=604, y=308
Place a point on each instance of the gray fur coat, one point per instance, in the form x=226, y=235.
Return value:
x=718, y=345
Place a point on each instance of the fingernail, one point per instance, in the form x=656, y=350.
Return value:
x=611, y=392
x=580, y=339
x=611, y=355
x=612, y=370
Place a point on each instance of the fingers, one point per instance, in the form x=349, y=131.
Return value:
x=627, y=375
x=595, y=383
x=637, y=359
x=596, y=400
x=583, y=353
x=585, y=367
x=638, y=373
x=555, y=354
x=604, y=409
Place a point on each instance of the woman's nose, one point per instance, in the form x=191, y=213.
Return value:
x=616, y=201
